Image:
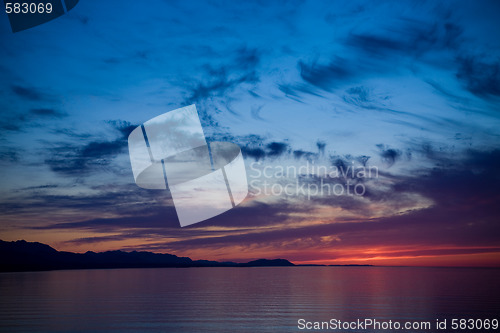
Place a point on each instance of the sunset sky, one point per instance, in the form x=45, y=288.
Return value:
x=409, y=89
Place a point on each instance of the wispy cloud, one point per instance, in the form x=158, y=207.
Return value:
x=79, y=159
x=30, y=93
x=221, y=80
x=480, y=77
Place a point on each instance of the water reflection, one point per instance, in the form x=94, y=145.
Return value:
x=240, y=299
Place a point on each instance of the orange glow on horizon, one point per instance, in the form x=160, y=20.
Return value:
x=298, y=251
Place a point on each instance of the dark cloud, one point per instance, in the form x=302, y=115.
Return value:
x=439, y=155
x=374, y=45
x=135, y=205
x=482, y=78
x=99, y=149
x=256, y=146
x=444, y=92
x=389, y=155
x=270, y=150
x=326, y=76
x=145, y=222
x=255, y=214
x=99, y=239
x=223, y=79
x=246, y=59
x=159, y=218
x=78, y=160
x=47, y=112
x=71, y=133
x=255, y=153
x=17, y=122
x=219, y=86
x=362, y=97
x=276, y=149
x=10, y=154
x=124, y=127
x=212, y=94
x=321, y=147
x=307, y=155
x=29, y=93
x=412, y=38
x=294, y=91
x=161, y=221
x=369, y=54
x=12, y=123
x=290, y=91
x=380, y=52
x=82, y=19
x=40, y=187
x=471, y=180
x=259, y=148
x=361, y=93
x=453, y=36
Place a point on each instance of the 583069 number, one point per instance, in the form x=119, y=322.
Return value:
x=28, y=8
x=474, y=324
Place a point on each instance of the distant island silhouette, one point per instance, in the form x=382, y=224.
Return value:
x=33, y=256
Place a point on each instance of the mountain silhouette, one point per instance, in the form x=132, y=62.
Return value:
x=33, y=256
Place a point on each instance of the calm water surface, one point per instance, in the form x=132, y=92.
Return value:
x=267, y=299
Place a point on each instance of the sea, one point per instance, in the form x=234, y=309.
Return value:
x=252, y=299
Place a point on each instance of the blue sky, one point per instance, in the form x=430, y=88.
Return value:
x=412, y=86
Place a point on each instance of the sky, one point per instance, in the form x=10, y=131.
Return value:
x=396, y=101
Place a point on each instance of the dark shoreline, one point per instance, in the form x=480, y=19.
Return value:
x=33, y=256
x=22, y=256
